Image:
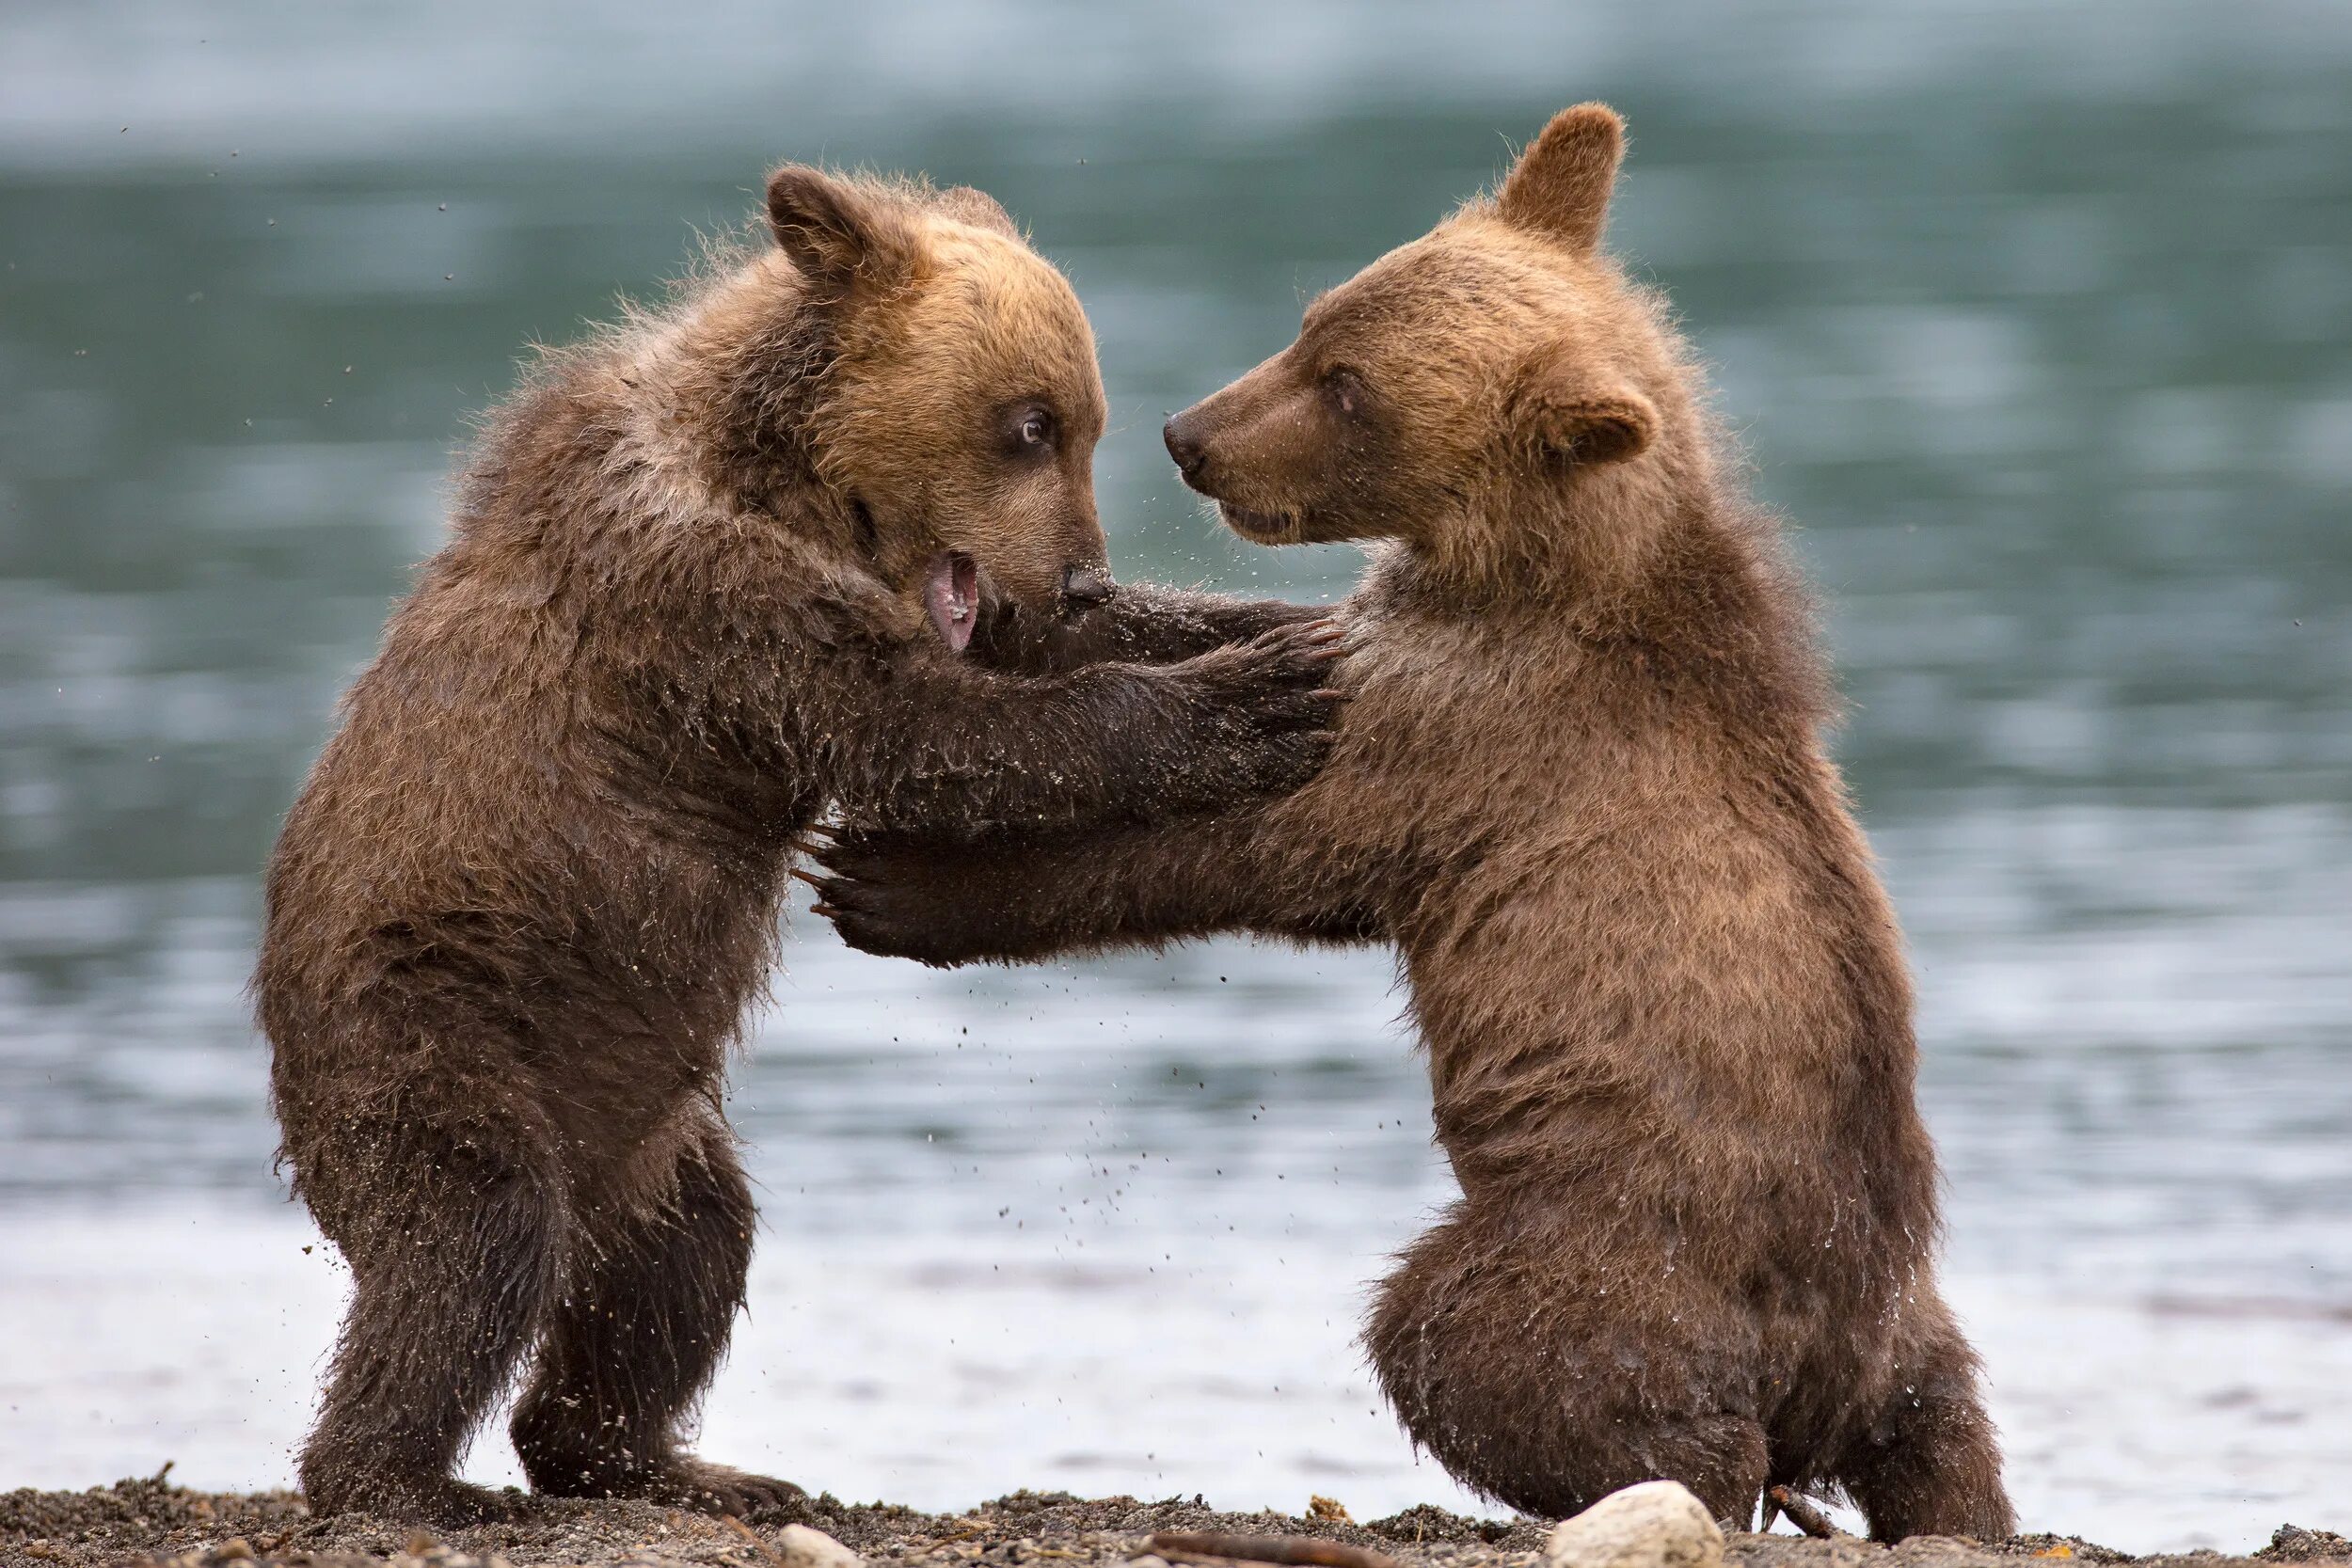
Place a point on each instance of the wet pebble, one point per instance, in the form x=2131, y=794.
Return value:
x=803, y=1546
x=1658, y=1524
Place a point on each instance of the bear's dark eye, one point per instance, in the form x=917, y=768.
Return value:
x=1029, y=431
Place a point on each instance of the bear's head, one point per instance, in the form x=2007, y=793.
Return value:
x=1492, y=394
x=937, y=378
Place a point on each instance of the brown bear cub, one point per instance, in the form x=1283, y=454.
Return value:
x=1580, y=787
x=712, y=574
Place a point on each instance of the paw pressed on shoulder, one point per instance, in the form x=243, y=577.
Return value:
x=1253, y=618
x=1282, y=676
x=1274, y=700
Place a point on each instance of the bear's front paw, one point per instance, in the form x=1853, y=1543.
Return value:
x=1279, y=686
x=1283, y=676
x=1280, y=682
x=890, y=894
x=1250, y=619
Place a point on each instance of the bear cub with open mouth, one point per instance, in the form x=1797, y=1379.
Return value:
x=715, y=573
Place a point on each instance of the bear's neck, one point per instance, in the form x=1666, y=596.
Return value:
x=729, y=388
x=1587, y=547
x=1695, y=593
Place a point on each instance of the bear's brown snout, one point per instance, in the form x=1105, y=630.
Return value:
x=1189, y=436
x=1188, y=441
x=1261, y=448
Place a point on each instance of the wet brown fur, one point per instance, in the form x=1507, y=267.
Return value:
x=1582, y=787
x=530, y=891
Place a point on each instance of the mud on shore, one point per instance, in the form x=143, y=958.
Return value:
x=149, y=1521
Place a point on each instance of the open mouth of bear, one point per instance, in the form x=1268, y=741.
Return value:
x=951, y=593
x=1254, y=525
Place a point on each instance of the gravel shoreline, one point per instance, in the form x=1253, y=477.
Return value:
x=150, y=1521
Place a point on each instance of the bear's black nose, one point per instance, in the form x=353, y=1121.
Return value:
x=1184, y=445
x=1083, y=587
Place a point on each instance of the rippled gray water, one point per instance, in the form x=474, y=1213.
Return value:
x=2037, y=321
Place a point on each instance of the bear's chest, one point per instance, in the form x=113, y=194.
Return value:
x=1457, y=709
x=1457, y=742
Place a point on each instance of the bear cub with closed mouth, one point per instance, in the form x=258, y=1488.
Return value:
x=717, y=572
x=1582, y=787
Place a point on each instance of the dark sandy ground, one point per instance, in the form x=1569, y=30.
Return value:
x=147, y=1521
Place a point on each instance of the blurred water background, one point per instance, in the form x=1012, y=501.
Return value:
x=2037, y=319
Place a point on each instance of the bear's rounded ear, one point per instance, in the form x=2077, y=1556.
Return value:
x=966, y=204
x=1561, y=186
x=836, y=235
x=1569, y=413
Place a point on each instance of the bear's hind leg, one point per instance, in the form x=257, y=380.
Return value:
x=453, y=1249
x=1534, y=1387
x=1931, y=1464
x=642, y=1327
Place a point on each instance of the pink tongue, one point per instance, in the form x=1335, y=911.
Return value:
x=952, y=594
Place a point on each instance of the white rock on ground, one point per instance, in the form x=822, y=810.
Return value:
x=800, y=1546
x=1657, y=1524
